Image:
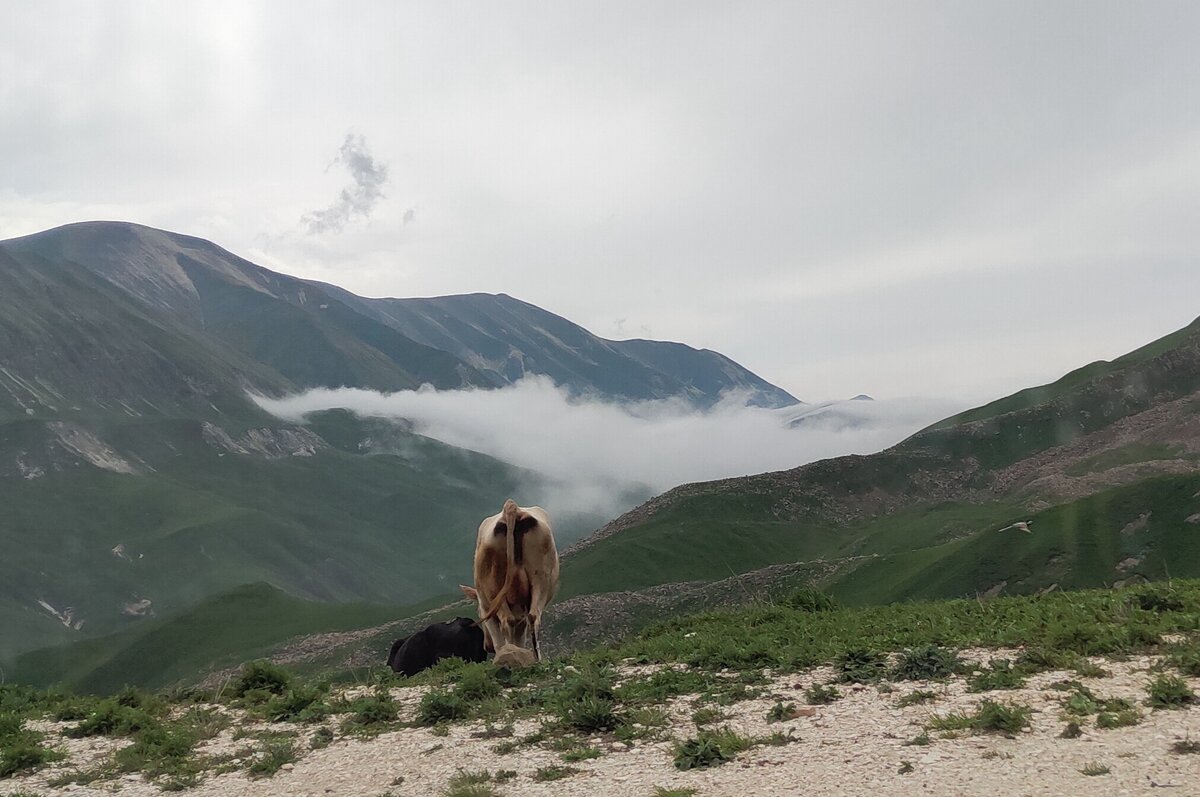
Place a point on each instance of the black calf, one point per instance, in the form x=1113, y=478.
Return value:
x=459, y=637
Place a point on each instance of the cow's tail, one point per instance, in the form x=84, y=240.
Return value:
x=509, y=515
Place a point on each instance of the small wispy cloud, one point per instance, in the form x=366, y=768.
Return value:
x=357, y=200
x=599, y=453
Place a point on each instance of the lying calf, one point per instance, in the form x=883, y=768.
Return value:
x=461, y=637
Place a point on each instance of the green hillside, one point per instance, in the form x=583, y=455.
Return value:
x=223, y=630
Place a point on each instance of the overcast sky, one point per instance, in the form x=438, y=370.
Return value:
x=934, y=199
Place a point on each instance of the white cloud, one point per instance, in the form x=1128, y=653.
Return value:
x=601, y=450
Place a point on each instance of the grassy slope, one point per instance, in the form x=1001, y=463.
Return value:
x=339, y=526
x=1074, y=545
x=238, y=625
x=736, y=534
x=1034, y=396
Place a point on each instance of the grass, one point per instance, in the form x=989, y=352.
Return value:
x=1093, y=769
x=990, y=717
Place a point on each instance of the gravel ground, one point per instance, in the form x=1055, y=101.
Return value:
x=854, y=746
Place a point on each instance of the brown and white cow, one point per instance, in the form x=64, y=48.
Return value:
x=516, y=575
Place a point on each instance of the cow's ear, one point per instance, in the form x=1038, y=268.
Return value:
x=469, y=592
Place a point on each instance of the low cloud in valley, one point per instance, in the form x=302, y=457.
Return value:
x=602, y=452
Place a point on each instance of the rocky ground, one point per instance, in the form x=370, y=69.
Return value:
x=867, y=742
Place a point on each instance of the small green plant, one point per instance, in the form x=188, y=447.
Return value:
x=477, y=682
x=906, y=767
x=322, y=737
x=297, y=704
x=1072, y=730
x=113, y=718
x=926, y=663
x=581, y=754
x=21, y=749
x=372, y=713
x=1169, y=691
x=269, y=760
x=916, y=698
x=261, y=676
x=1186, y=657
x=1093, y=769
x=781, y=712
x=590, y=714
x=819, y=695
x=807, y=599
x=707, y=715
x=709, y=748
x=990, y=717
x=437, y=706
x=1186, y=747
x=920, y=740
x=999, y=675
x=860, y=666
x=470, y=784
x=553, y=772
x=1108, y=720
x=994, y=717
x=1085, y=668
x=659, y=791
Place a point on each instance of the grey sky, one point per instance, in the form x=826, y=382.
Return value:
x=940, y=199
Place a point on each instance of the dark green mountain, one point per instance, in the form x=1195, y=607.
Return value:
x=1105, y=463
